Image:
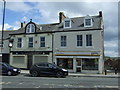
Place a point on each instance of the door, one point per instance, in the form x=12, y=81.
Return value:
x=50, y=69
x=4, y=69
x=30, y=58
x=78, y=65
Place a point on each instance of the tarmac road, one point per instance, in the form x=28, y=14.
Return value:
x=26, y=81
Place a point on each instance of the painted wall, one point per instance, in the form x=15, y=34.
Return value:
x=72, y=41
x=36, y=46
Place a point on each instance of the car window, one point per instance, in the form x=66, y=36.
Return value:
x=50, y=65
x=41, y=65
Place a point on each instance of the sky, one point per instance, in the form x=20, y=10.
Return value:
x=47, y=12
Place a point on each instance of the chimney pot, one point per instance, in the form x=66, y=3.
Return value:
x=61, y=17
x=100, y=13
x=21, y=25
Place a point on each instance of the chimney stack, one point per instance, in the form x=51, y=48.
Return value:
x=61, y=17
x=100, y=13
x=23, y=24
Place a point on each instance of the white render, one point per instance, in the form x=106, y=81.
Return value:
x=72, y=49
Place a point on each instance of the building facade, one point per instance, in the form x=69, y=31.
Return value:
x=76, y=44
x=30, y=47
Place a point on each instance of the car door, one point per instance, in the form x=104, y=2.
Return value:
x=41, y=68
x=4, y=69
x=50, y=69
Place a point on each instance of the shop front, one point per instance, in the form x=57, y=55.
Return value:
x=82, y=64
x=26, y=59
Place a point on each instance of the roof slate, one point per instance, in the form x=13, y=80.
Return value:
x=77, y=23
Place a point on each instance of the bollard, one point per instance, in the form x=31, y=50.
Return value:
x=105, y=72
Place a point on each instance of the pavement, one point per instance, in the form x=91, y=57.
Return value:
x=109, y=75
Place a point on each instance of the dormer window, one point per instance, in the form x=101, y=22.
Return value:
x=30, y=28
x=88, y=21
x=67, y=23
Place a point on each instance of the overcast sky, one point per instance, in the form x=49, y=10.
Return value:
x=47, y=12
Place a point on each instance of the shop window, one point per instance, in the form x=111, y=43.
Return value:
x=65, y=63
x=90, y=64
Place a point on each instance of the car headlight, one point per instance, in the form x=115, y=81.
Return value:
x=15, y=70
x=64, y=69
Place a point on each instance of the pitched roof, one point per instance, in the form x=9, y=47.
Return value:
x=77, y=23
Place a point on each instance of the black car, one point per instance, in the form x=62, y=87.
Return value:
x=6, y=69
x=47, y=69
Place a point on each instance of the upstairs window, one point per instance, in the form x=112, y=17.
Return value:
x=30, y=42
x=79, y=40
x=88, y=21
x=67, y=23
x=19, y=43
x=63, y=41
x=30, y=28
x=89, y=40
x=42, y=41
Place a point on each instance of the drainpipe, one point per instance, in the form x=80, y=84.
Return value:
x=3, y=22
x=52, y=45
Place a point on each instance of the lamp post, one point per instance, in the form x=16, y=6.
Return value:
x=3, y=22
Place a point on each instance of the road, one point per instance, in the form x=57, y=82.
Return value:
x=25, y=81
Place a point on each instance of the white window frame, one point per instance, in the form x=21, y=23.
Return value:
x=79, y=40
x=68, y=20
x=63, y=41
x=88, y=18
x=19, y=43
x=30, y=28
x=30, y=42
x=42, y=42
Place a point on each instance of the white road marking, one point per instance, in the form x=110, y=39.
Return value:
x=111, y=86
x=2, y=83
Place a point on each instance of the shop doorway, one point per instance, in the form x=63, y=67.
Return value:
x=78, y=65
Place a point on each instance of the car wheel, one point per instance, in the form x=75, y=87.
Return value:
x=34, y=73
x=9, y=73
x=59, y=74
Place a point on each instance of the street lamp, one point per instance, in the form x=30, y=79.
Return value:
x=3, y=22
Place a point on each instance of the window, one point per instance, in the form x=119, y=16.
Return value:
x=30, y=42
x=63, y=41
x=90, y=64
x=88, y=22
x=67, y=23
x=30, y=28
x=89, y=40
x=19, y=42
x=65, y=63
x=42, y=41
x=79, y=40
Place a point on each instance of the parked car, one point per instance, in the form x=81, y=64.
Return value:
x=6, y=69
x=47, y=69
